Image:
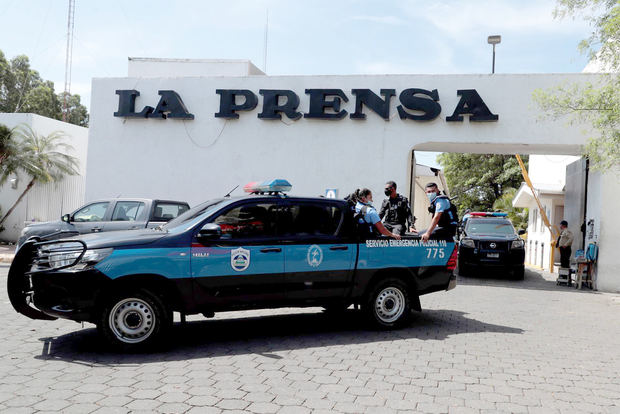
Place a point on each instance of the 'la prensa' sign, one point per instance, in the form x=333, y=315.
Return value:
x=415, y=104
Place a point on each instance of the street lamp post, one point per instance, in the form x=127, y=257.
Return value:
x=493, y=40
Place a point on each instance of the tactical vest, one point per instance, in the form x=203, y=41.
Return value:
x=449, y=218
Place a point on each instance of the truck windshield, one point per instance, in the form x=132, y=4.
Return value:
x=486, y=226
x=196, y=213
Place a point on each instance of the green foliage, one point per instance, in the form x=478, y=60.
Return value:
x=6, y=144
x=476, y=181
x=43, y=159
x=598, y=104
x=518, y=216
x=23, y=90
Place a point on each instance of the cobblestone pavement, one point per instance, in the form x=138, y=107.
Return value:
x=487, y=346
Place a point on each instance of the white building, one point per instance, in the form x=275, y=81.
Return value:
x=44, y=202
x=548, y=176
x=192, y=130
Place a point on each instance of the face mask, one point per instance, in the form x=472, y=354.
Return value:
x=388, y=192
x=431, y=196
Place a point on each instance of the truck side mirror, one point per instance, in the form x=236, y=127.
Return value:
x=210, y=231
x=521, y=232
x=66, y=218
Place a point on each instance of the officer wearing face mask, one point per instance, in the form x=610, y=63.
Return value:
x=445, y=221
x=396, y=211
x=368, y=215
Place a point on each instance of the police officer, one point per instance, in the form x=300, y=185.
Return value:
x=369, y=214
x=444, y=223
x=395, y=211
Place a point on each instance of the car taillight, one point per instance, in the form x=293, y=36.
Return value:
x=452, y=260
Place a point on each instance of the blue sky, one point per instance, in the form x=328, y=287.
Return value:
x=305, y=38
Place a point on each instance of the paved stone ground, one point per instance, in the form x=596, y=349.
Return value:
x=488, y=346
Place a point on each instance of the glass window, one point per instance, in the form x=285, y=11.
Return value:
x=486, y=226
x=92, y=212
x=249, y=221
x=168, y=211
x=311, y=220
x=128, y=211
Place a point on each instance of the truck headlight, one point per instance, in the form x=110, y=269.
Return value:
x=91, y=258
x=68, y=256
x=517, y=244
x=468, y=243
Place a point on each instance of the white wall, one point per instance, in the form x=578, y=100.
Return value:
x=602, y=209
x=205, y=157
x=549, y=171
x=157, y=67
x=49, y=201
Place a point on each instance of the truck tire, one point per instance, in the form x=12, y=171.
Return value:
x=388, y=304
x=134, y=321
x=518, y=273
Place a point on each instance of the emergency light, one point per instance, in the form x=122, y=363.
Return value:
x=277, y=185
x=485, y=214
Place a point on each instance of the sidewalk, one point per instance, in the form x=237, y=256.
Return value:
x=7, y=252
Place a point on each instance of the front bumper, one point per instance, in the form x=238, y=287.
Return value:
x=53, y=294
x=483, y=258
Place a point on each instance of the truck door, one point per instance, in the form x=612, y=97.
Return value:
x=127, y=215
x=246, y=263
x=319, y=258
x=92, y=217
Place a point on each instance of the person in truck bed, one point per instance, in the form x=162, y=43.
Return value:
x=370, y=215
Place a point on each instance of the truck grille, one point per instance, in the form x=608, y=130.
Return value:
x=499, y=246
x=56, y=255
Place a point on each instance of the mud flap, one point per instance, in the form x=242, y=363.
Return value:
x=18, y=284
x=415, y=303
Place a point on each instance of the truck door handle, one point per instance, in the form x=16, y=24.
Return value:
x=271, y=250
x=339, y=248
x=95, y=229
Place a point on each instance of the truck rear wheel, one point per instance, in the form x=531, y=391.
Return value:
x=134, y=321
x=388, y=305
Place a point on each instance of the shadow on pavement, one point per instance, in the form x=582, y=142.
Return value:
x=265, y=335
x=534, y=280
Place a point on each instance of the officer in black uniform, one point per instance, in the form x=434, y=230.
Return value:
x=395, y=211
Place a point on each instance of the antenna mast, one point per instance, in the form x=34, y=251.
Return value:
x=68, y=58
x=265, y=50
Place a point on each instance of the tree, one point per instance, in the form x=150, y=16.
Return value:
x=6, y=144
x=23, y=90
x=42, y=158
x=595, y=103
x=518, y=216
x=477, y=180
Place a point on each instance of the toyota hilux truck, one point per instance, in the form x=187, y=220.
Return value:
x=262, y=250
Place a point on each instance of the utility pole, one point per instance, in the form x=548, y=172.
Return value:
x=68, y=58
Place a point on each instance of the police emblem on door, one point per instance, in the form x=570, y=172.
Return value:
x=240, y=259
x=314, y=255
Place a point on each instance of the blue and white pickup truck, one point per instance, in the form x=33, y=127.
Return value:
x=264, y=250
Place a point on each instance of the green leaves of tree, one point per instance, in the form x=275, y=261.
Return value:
x=23, y=90
x=476, y=181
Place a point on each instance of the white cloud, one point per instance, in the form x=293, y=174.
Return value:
x=457, y=20
x=390, y=20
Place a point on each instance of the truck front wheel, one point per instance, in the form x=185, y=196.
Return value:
x=134, y=321
x=388, y=305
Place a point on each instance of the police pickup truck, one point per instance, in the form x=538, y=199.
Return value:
x=263, y=250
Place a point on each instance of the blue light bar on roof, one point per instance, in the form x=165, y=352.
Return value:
x=277, y=185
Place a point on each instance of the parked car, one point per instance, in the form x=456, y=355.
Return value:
x=488, y=241
x=107, y=215
x=264, y=250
